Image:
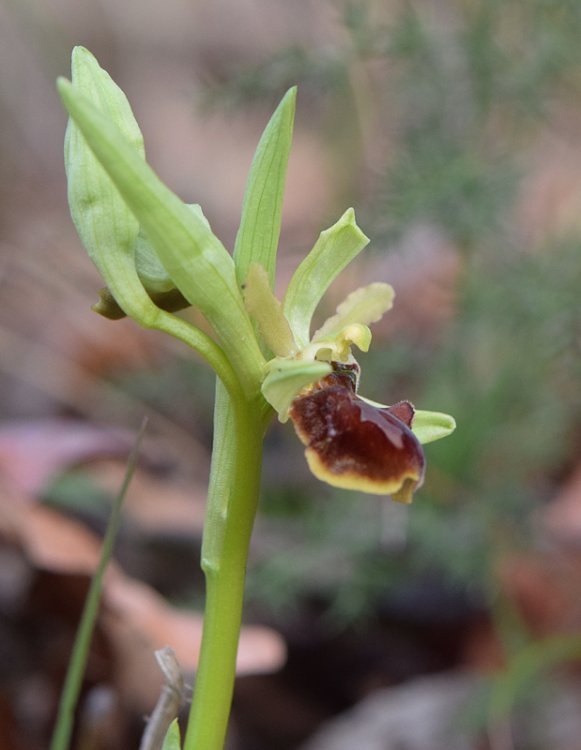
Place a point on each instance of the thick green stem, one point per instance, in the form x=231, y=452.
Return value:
x=232, y=501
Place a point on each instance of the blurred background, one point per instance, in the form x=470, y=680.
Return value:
x=454, y=130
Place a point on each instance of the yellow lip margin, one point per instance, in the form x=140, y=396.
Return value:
x=401, y=488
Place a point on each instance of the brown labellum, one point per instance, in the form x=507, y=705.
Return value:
x=355, y=445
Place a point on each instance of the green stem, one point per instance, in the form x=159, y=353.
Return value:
x=232, y=501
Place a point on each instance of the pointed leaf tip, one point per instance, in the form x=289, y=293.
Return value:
x=172, y=740
x=79, y=52
x=259, y=231
x=63, y=85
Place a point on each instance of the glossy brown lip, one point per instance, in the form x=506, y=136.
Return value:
x=355, y=445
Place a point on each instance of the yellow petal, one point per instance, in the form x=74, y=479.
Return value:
x=338, y=347
x=266, y=310
x=363, y=306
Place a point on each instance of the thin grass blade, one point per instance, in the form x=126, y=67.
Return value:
x=77, y=664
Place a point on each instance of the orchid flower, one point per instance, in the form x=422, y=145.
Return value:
x=351, y=442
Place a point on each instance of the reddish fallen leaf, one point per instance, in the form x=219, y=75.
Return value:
x=101, y=351
x=139, y=621
x=134, y=618
x=8, y=726
x=55, y=543
x=482, y=649
x=155, y=505
x=550, y=198
x=562, y=517
x=31, y=453
x=544, y=586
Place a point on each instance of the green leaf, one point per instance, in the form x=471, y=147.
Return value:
x=192, y=255
x=286, y=378
x=172, y=739
x=258, y=234
x=428, y=426
x=335, y=249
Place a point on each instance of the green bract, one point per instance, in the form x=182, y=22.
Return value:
x=257, y=238
x=172, y=739
x=192, y=255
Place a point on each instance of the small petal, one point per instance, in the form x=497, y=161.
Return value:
x=266, y=310
x=338, y=348
x=365, y=305
x=354, y=445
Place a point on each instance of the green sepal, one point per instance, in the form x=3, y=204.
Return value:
x=286, y=378
x=172, y=739
x=335, y=249
x=191, y=254
x=429, y=426
x=258, y=234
